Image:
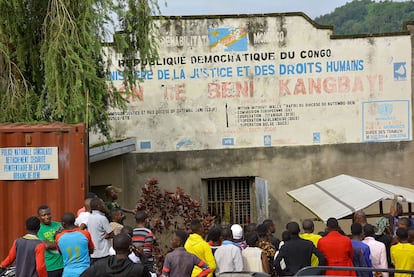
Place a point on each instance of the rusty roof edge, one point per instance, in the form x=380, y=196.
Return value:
x=38, y=127
x=110, y=150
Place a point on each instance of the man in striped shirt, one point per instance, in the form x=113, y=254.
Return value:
x=144, y=238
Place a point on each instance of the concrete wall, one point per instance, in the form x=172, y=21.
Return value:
x=285, y=169
x=217, y=84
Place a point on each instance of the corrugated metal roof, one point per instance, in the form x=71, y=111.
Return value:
x=342, y=195
x=107, y=151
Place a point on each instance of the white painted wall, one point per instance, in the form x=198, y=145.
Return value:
x=236, y=82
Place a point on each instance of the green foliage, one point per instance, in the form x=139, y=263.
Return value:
x=51, y=65
x=136, y=36
x=367, y=17
x=20, y=66
x=168, y=212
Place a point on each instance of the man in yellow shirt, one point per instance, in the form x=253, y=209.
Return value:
x=308, y=229
x=402, y=253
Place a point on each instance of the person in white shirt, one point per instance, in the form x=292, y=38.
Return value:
x=100, y=230
x=228, y=256
x=82, y=219
x=254, y=259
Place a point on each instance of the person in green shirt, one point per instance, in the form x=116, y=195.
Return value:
x=47, y=232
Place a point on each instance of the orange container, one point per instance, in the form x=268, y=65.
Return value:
x=42, y=164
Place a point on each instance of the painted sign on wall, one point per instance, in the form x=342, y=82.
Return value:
x=265, y=81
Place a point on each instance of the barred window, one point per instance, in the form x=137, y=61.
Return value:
x=231, y=200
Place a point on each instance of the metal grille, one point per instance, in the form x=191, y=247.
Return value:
x=229, y=199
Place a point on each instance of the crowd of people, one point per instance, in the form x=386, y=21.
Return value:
x=96, y=243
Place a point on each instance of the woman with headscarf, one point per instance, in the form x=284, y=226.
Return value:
x=383, y=234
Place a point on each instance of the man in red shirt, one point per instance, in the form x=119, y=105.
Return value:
x=28, y=252
x=337, y=249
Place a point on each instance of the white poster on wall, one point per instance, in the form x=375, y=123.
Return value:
x=28, y=163
x=265, y=81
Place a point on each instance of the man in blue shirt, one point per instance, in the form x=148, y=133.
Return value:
x=362, y=252
x=75, y=245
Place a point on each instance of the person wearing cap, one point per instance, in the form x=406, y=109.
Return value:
x=237, y=232
x=111, y=193
x=384, y=234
